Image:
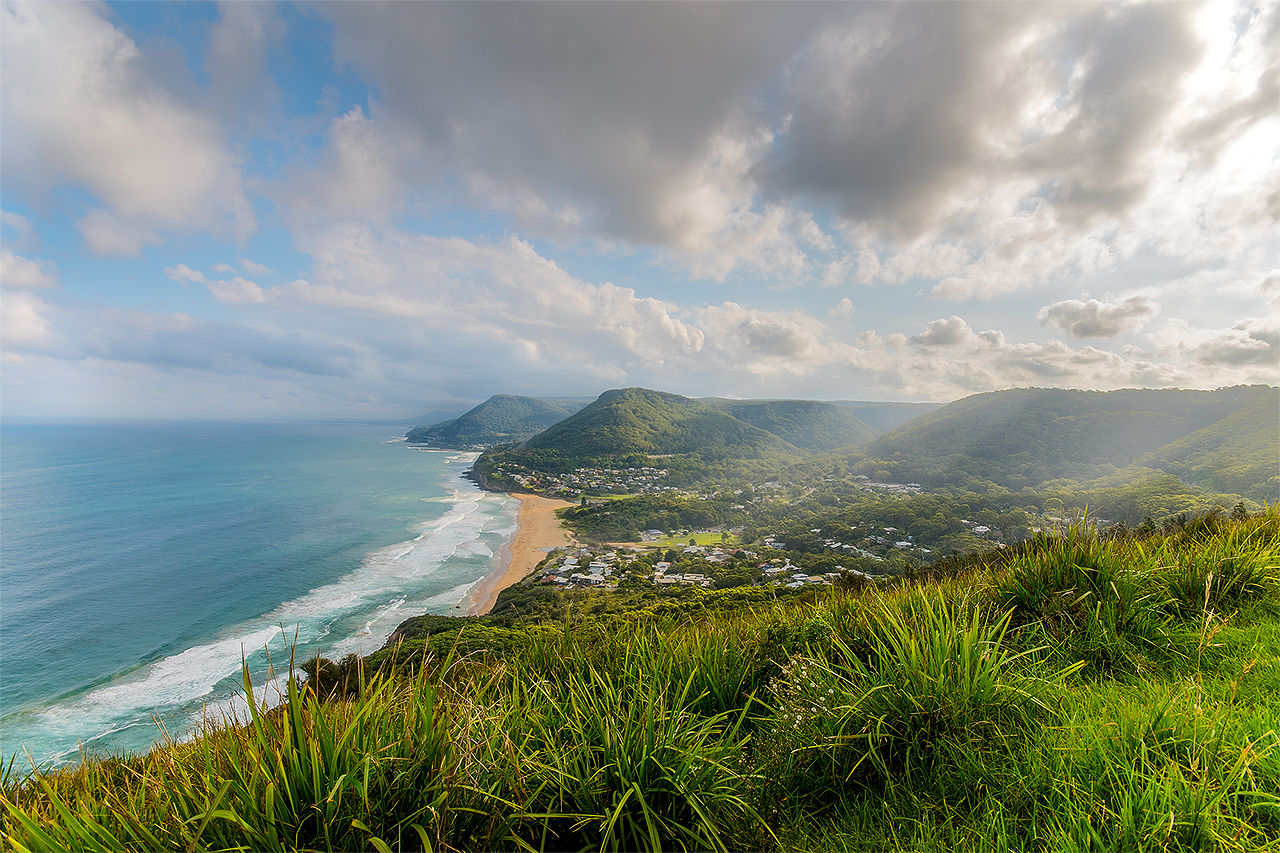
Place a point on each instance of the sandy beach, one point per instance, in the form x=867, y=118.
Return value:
x=537, y=529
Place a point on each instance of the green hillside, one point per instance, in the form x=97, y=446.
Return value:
x=637, y=420
x=1071, y=692
x=807, y=424
x=1239, y=454
x=438, y=416
x=1036, y=437
x=501, y=419
x=883, y=417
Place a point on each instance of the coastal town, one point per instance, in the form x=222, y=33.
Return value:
x=589, y=481
x=639, y=480
x=707, y=567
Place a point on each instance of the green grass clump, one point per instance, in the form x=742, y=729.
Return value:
x=909, y=680
x=1073, y=693
x=622, y=764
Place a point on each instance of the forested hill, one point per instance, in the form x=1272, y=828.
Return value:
x=1239, y=454
x=1036, y=437
x=807, y=424
x=501, y=419
x=883, y=417
x=637, y=420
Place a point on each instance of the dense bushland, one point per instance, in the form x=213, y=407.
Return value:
x=1070, y=693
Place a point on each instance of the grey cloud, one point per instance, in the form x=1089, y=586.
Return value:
x=242, y=92
x=1134, y=59
x=234, y=348
x=601, y=109
x=85, y=330
x=1248, y=343
x=886, y=111
x=1000, y=132
x=896, y=113
x=1094, y=319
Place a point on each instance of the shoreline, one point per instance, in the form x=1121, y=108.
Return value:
x=537, y=531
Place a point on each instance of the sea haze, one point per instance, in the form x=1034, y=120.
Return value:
x=140, y=562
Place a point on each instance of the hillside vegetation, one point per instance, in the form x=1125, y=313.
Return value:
x=1035, y=437
x=637, y=420
x=1070, y=693
x=883, y=417
x=501, y=419
x=1240, y=453
x=806, y=424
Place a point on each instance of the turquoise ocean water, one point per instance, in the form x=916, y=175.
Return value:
x=140, y=562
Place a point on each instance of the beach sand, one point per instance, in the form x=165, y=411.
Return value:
x=537, y=529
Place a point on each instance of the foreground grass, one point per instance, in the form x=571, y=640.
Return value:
x=1076, y=694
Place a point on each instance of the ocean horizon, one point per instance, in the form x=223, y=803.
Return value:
x=141, y=562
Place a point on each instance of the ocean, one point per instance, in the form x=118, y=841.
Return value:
x=141, y=563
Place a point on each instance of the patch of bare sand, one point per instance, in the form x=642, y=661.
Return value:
x=537, y=529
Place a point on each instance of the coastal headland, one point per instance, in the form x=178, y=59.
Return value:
x=537, y=529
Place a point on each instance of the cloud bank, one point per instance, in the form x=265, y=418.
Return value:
x=370, y=206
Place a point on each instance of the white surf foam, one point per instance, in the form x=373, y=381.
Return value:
x=387, y=587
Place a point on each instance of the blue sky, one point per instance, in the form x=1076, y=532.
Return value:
x=367, y=210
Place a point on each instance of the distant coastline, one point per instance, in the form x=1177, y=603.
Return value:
x=537, y=531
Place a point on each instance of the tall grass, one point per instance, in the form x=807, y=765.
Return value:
x=1078, y=693
x=910, y=680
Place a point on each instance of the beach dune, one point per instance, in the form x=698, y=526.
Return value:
x=537, y=530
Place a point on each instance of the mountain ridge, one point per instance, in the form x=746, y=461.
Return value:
x=812, y=425
x=1033, y=437
x=639, y=420
x=502, y=419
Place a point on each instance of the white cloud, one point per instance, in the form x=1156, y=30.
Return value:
x=236, y=292
x=990, y=148
x=182, y=272
x=366, y=169
x=1251, y=345
x=1094, y=319
x=17, y=272
x=23, y=322
x=997, y=148
x=106, y=233
x=390, y=316
x=81, y=108
x=25, y=235
x=944, y=333
x=962, y=151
